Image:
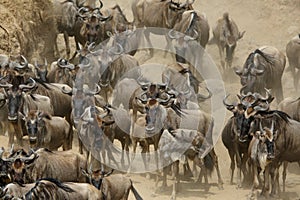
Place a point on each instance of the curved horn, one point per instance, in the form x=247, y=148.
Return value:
x=262, y=108
x=87, y=65
x=81, y=12
x=260, y=127
x=189, y=38
x=90, y=92
x=65, y=91
x=238, y=72
x=228, y=106
x=256, y=72
x=143, y=98
x=6, y=85
x=201, y=96
x=63, y=63
x=104, y=18
x=24, y=63
x=164, y=101
x=101, y=4
x=29, y=85
x=121, y=50
x=174, y=34
x=242, y=92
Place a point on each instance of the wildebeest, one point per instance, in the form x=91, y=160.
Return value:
x=43, y=163
x=191, y=27
x=180, y=79
x=4, y=169
x=49, y=188
x=67, y=18
x=108, y=66
x=113, y=186
x=263, y=69
x=47, y=131
x=20, y=101
x=159, y=14
x=62, y=71
x=285, y=136
x=41, y=70
x=236, y=139
x=292, y=53
x=174, y=144
x=291, y=106
x=260, y=156
x=226, y=34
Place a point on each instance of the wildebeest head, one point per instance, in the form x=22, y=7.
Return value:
x=65, y=72
x=95, y=177
x=241, y=123
x=174, y=11
x=20, y=165
x=15, y=98
x=5, y=167
x=253, y=68
x=255, y=102
x=35, y=125
x=41, y=70
x=92, y=28
x=82, y=98
x=155, y=98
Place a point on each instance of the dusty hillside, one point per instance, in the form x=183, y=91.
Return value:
x=266, y=22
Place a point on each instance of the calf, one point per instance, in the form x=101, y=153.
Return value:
x=115, y=186
x=47, y=131
x=43, y=163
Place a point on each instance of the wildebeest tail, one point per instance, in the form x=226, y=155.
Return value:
x=135, y=193
x=209, y=163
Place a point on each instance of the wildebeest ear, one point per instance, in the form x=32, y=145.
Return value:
x=109, y=173
x=238, y=71
x=241, y=34
x=30, y=160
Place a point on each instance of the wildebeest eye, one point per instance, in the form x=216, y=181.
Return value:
x=97, y=27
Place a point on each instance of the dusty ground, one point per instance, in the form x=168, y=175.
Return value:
x=265, y=22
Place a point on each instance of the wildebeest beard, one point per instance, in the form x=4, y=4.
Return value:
x=243, y=128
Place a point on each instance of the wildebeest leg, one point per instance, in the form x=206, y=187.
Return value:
x=266, y=185
x=18, y=133
x=222, y=57
x=232, y=165
x=244, y=168
x=175, y=169
x=127, y=142
x=220, y=181
x=285, y=165
x=134, y=145
x=255, y=183
x=66, y=38
x=239, y=171
x=144, y=153
x=187, y=170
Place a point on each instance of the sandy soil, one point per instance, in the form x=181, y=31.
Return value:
x=265, y=22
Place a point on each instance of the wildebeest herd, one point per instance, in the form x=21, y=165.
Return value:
x=100, y=94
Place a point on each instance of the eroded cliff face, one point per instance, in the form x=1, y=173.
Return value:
x=27, y=33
